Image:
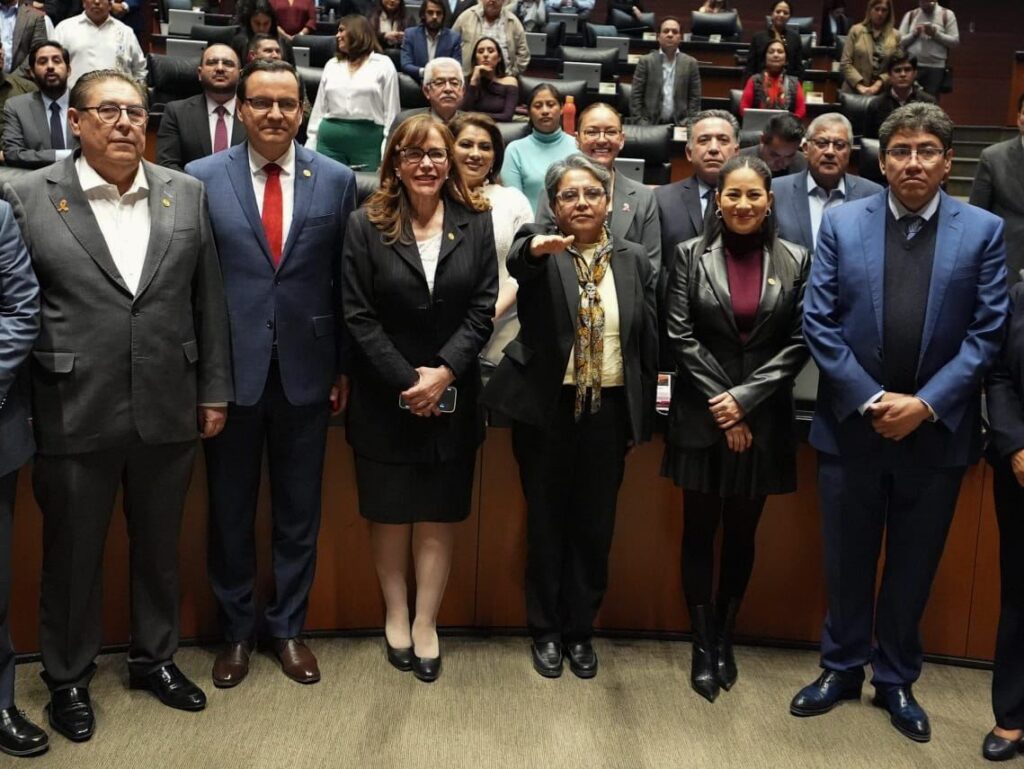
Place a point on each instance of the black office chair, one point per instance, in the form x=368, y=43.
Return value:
x=321, y=48
x=395, y=55
x=704, y=25
x=410, y=93
x=867, y=161
x=608, y=58
x=327, y=28
x=367, y=183
x=652, y=143
x=171, y=79
x=735, y=97
x=221, y=35
x=802, y=24
x=513, y=130
x=555, y=30
x=310, y=79
x=627, y=24
x=855, y=107
x=574, y=88
x=623, y=94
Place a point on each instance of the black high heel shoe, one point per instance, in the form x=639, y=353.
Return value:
x=399, y=658
x=996, y=748
x=426, y=669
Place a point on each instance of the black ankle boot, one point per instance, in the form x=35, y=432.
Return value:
x=702, y=663
x=725, y=670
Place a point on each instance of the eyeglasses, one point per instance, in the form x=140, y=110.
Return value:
x=596, y=133
x=415, y=155
x=572, y=195
x=926, y=154
x=111, y=113
x=441, y=82
x=840, y=145
x=225, y=63
x=263, y=104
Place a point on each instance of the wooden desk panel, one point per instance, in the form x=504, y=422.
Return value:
x=1016, y=87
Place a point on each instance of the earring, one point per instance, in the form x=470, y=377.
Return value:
x=718, y=212
x=768, y=212
x=398, y=176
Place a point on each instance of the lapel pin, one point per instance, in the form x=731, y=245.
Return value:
x=166, y=202
x=625, y=207
x=62, y=206
x=307, y=173
x=772, y=281
x=451, y=236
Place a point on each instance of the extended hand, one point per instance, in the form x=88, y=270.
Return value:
x=212, y=420
x=739, y=438
x=542, y=245
x=726, y=411
x=423, y=396
x=1017, y=465
x=897, y=415
x=339, y=394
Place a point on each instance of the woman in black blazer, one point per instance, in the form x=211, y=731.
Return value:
x=578, y=383
x=781, y=10
x=834, y=24
x=1004, y=394
x=734, y=330
x=419, y=282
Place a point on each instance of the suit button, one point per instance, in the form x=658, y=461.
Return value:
x=270, y=324
x=136, y=313
x=277, y=281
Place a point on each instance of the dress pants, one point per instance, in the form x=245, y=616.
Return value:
x=76, y=493
x=913, y=506
x=8, y=485
x=1008, y=673
x=930, y=79
x=571, y=473
x=296, y=438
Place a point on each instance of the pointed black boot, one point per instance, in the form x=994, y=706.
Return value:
x=702, y=663
x=725, y=670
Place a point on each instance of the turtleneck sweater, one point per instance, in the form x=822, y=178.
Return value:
x=528, y=159
x=743, y=263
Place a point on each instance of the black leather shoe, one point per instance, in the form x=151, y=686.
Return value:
x=905, y=714
x=547, y=658
x=19, y=736
x=70, y=713
x=702, y=660
x=996, y=748
x=582, y=659
x=171, y=687
x=399, y=658
x=830, y=688
x=426, y=669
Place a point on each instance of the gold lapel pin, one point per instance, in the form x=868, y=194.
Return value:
x=62, y=206
x=451, y=236
x=307, y=173
x=166, y=202
x=772, y=281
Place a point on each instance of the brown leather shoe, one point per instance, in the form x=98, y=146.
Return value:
x=232, y=664
x=297, y=661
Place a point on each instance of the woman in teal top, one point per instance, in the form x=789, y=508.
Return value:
x=528, y=159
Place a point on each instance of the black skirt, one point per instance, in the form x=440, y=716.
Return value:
x=435, y=492
x=717, y=470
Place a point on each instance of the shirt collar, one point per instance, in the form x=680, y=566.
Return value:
x=9, y=10
x=91, y=180
x=83, y=19
x=813, y=185
x=229, y=105
x=664, y=58
x=62, y=102
x=927, y=210
x=286, y=161
x=703, y=188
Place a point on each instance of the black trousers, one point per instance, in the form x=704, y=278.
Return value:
x=8, y=485
x=76, y=493
x=913, y=507
x=571, y=473
x=930, y=79
x=295, y=437
x=1008, y=674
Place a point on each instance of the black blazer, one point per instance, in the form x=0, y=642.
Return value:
x=759, y=46
x=184, y=133
x=397, y=326
x=829, y=40
x=527, y=382
x=1004, y=387
x=710, y=358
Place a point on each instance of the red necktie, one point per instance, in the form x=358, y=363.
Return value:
x=220, y=131
x=272, y=216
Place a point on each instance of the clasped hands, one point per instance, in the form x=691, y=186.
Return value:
x=897, y=415
x=422, y=398
x=728, y=415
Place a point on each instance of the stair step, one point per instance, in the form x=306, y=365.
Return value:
x=959, y=186
x=969, y=149
x=983, y=134
x=965, y=167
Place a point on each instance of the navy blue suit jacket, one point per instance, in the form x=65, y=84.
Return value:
x=299, y=303
x=963, y=328
x=414, y=49
x=793, y=211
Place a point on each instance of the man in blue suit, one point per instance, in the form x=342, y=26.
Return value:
x=904, y=313
x=801, y=199
x=430, y=39
x=278, y=213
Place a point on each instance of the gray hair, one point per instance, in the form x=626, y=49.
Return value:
x=830, y=119
x=428, y=71
x=720, y=114
x=575, y=162
x=918, y=116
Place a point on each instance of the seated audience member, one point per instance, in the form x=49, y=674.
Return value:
x=532, y=13
x=666, y=84
x=200, y=125
x=11, y=85
x=490, y=19
x=430, y=39
x=779, y=146
x=834, y=24
x=95, y=40
x=868, y=46
x=35, y=125
x=491, y=90
x=633, y=212
x=295, y=17
x=781, y=10
x=801, y=199
x=389, y=20
x=27, y=29
x=264, y=47
x=719, y=6
x=581, y=8
x=259, y=18
x=929, y=32
x=773, y=88
x=902, y=69
x=444, y=86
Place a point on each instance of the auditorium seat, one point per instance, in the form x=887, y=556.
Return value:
x=211, y=34
x=410, y=93
x=855, y=107
x=623, y=93
x=170, y=79
x=513, y=130
x=653, y=144
x=321, y=48
x=575, y=88
x=366, y=184
x=608, y=58
x=867, y=161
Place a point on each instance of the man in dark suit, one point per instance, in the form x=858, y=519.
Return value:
x=131, y=366
x=779, y=146
x=430, y=39
x=650, y=101
x=903, y=89
x=999, y=188
x=29, y=30
x=36, y=129
x=19, y=326
x=802, y=199
x=200, y=125
x=278, y=213
x=904, y=314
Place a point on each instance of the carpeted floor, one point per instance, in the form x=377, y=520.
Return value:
x=489, y=709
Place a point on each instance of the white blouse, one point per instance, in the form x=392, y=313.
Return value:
x=430, y=251
x=370, y=93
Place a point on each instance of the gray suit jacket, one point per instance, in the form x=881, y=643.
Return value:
x=646, y=100
x=184, y=133
x=634, y=217
x=29, y=29
x=26, y=138
x=111, y=367
x=999, y=188
x=793, y=211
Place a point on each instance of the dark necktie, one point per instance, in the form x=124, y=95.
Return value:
x=220, y=131
x=272, y=210
x=911, y=226
x=56, y=128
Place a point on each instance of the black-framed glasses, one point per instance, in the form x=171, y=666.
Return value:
x=840, y=145
x=572, y=195
x=595, y=133
x=415, y=155
x=263, y=104
x=110, y=113
x=441, y=82
x=927, y=154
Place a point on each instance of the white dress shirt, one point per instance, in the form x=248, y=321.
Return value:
x=430, y=253
x=229, y=117
x=111, y=45
x=123, y=219
x=370, y=93
x=668, y=84
x=62, y=103
x=8, y=19
x=259, y=185
x=819, y=201
x=702, y=191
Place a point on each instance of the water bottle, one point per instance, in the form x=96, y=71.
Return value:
x=569, y=116
x=330, y=15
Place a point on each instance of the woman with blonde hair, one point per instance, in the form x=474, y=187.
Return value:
x=868, y=46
